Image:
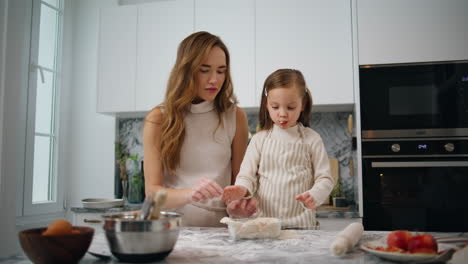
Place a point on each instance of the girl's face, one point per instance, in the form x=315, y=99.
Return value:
x=284, y=106
x=211, y=75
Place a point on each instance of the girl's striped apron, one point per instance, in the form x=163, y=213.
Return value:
x=285, y=170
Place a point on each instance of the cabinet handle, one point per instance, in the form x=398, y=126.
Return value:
x=416, y=164
x=95, y=221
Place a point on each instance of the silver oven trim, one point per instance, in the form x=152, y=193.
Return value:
x=422, y=133
x=416, y=156
x=367, y=66
x=419, y=164
x=413, y=139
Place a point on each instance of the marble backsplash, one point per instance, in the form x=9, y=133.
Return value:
x=332, y=126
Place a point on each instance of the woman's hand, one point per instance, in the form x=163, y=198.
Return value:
x=204, y=189
x=242, y=208
x=234, y=192
x=307, y=200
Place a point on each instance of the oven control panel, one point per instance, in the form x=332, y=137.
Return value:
x=402, y=147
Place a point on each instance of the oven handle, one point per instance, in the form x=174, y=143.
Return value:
x=416, y=164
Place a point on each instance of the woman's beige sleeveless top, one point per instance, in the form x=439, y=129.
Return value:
x=206, y=152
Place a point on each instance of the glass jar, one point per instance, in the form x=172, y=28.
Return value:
x=136, y=187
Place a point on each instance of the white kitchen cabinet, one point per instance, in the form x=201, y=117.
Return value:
x=138, y=46
x=234, y=23
x=117, y=60
x=401, y=31
x=137, y=49
x=311, y=36
x=93, y=220
x=162, y=26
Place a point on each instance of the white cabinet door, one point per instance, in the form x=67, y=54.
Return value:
x=161, y=27
x=313, y=36
x=93, y=220
x=401, y=31
x=117, y=60
x=234, y=23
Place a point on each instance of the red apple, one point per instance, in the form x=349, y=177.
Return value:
x=399, y=239
x=422, y=244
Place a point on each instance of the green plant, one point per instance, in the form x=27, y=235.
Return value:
x=122, y=156
x=337, y=191
x=138, y=179
x=136, y=188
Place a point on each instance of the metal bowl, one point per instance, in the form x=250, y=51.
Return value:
x=134, y=240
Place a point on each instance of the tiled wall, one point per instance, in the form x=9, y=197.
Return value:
x=332, y=126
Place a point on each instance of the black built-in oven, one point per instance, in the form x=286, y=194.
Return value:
x=414, y=127
x=415, y=184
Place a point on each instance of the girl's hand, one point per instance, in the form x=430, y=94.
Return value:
x=307, y=200
x=242, y=208
x=234, y=192
x=204, y=189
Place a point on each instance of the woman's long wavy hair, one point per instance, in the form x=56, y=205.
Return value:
x=182, y=91
x=284, y=78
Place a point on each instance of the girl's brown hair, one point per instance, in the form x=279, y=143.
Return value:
x=182, y=90
x=285, y=78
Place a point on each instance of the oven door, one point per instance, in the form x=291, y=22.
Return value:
x=414, y=96
x=415, y=194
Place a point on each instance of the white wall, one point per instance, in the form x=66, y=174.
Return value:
x=3, y=32
x=6, y=223
x=16, y=19
x=87, y=143
x=88, y=137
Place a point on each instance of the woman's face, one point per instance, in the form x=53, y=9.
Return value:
x=211, y=75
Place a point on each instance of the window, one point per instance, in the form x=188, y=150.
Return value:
x=41, y=192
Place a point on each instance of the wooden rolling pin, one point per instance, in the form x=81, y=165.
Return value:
x=158, y=201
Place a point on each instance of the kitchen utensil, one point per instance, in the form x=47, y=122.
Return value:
x=146, y=207
x=350, y=125
x=133, y=240
x=456, y=241
x=69, y=248
x=158, y=201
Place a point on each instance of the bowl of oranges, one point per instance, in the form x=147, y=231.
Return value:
x=60, y=242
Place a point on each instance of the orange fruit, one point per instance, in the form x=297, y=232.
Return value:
x=59, y=227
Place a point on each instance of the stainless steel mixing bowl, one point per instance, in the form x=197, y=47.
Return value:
x=134, y=240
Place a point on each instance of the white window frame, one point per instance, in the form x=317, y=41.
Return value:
x=26, y=207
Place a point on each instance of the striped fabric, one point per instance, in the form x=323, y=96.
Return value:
x=285, y=168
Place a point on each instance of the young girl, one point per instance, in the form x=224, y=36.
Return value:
x=286, y=166
x=195, y=141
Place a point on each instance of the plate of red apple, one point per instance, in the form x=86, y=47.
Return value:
x=404, y=246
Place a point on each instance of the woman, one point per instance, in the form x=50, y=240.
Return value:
x=195, y=141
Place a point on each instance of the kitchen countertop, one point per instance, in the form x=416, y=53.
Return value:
x=118, y=209
x=353, y=213
x=213, y=245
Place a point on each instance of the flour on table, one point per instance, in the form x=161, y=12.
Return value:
x=289, y=234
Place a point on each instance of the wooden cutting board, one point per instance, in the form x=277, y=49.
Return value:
x=334, y=169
